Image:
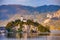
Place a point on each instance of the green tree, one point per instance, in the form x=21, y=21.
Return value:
x=43, y=29
x=9, y=26
x=29, y=22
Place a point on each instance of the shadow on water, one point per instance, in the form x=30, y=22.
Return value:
x=14, y=35
x=25, y=35
x=29, y=36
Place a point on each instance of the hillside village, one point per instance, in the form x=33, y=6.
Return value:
x=53, y=20
x=49, y=17
x=24, y=25
x=26, y=28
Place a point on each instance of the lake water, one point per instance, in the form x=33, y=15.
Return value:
x=29, y=36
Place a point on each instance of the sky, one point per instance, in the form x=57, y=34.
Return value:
x=30, y=2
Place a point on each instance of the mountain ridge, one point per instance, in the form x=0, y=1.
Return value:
x=6, y=10
x=44, y=8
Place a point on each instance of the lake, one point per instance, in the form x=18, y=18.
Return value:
x=29, y=36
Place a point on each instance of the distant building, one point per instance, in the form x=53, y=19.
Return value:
x=24, y=20
x=21, y=18
x=49, y=16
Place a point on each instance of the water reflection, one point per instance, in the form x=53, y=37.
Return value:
x=26, y=36
x=14, y=35
x=29, y=36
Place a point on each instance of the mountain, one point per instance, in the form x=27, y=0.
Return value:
x=43, y=14
x=50, y=8
x=8, y=10
x=53, y=19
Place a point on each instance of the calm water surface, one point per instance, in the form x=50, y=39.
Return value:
x=28, y=36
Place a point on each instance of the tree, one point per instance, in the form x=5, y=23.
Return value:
x=29, y=22
x=9, y=26
x=43, y=29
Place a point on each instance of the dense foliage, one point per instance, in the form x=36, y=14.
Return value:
x=12, y=24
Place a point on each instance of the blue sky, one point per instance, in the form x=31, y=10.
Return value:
x=30, y=2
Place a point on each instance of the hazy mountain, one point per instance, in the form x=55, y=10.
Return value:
x=53, y=19
x=12, y=12
x=6, y=10
x=45, y=8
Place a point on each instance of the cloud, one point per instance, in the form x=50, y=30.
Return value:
x=22, y=0
x=32, y=2
x=58, y=1
x=1, y=1
x=14, y=1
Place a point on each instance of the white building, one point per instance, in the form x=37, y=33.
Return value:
x=49, y=16
x=21, y=18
